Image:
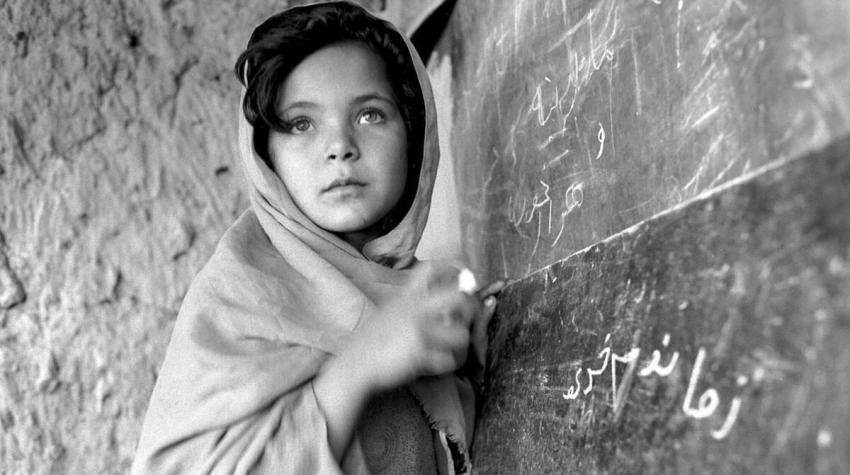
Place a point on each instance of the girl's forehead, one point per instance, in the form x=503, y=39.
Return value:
x=340, y=71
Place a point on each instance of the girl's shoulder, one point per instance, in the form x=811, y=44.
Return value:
x=243, y=259
x=245, y=237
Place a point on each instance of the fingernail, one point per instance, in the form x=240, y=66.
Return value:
x=490, y=301
x=466, y=282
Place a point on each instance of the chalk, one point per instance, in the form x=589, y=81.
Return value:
x=466, y=282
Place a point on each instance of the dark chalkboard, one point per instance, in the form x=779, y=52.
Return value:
x=575, y=119
x=712, y=338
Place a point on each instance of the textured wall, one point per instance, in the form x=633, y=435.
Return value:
x=117, y=176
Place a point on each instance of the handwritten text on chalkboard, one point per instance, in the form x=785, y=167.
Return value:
x=703, y=407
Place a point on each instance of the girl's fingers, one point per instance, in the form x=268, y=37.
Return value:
x=434, y=276
x=421, y=276
x=448, y=340
x=491, y=289
x=479, y=329
x=440, y=363
x=450, y=307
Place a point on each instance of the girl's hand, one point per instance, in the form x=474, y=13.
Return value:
x=423, y=332
x=487, y=295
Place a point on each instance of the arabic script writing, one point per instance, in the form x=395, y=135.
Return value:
x=696, y=407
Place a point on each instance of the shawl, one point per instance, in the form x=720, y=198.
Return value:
x=277, y=298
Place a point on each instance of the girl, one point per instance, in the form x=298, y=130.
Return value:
x=313, y=341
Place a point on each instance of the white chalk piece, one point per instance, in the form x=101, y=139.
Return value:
x=466, y=282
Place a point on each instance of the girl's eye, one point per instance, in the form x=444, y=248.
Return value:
x=298, y=126
x=371, y=116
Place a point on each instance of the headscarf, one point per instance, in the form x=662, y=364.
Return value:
x=278, y=297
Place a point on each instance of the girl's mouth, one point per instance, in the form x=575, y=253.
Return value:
x=344, y=183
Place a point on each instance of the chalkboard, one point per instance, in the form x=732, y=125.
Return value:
x=712, y=338
x=575, y=119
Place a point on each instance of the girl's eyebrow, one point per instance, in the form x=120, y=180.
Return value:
x=299, y=105
x=372, y=96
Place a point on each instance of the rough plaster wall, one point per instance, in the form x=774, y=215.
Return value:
x=117, y=177
x=117, y=145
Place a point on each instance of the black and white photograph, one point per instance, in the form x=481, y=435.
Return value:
x=424, y=237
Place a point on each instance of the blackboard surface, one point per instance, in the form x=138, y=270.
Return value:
x=713, y=338
x=575, y=119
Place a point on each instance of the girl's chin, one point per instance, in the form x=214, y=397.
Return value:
x=360, y=218
x=348, y=224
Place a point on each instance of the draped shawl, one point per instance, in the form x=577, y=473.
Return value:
x=278, y=297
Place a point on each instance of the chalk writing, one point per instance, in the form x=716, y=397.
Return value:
x=654, y=365
x=591, y=373
x=538, y=209
x=696, y=407
x=581, y=63
x=636, y=66
x=573, y=198
x=543, y=209
x=708, y=401
x=601, y=137
x=679, y=35
x=723, y=431
x=535, y=215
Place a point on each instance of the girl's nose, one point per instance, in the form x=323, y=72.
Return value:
x=342, y=146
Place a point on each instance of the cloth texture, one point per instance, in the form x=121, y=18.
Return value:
x=395, y=437
x=278, y=297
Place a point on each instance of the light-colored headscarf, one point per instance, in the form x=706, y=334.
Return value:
x=278, y=297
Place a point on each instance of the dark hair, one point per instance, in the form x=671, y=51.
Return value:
x=280, y=43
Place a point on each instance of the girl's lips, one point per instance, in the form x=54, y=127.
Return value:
x=345, y=192
x=344, y=183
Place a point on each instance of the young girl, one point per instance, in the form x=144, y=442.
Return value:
x=313, y=341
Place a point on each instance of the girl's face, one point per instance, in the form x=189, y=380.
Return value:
x=343, y=156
